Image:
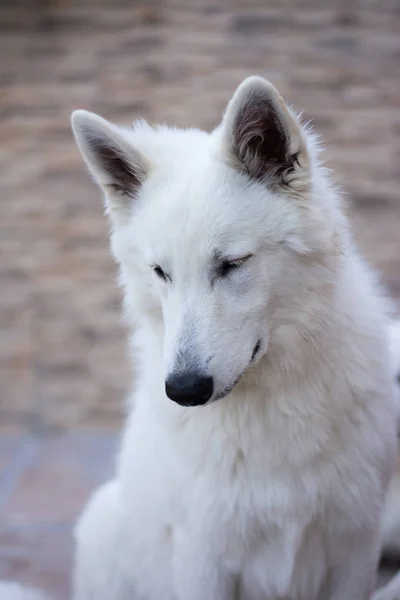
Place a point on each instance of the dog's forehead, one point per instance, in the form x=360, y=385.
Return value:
x=196, y=208
x=204, y=211
x=208, y=196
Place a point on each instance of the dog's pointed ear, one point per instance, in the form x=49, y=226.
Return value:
x=262, y=137
x=117, y=166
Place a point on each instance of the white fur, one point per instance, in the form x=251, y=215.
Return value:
x=276, y=489
x=390, y=591
x=394, y=344
x=13, y=591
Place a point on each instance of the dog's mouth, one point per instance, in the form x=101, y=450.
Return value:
x=230, y=388
x=256, y=350
x=196, y=389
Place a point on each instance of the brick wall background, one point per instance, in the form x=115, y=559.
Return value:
x=62, y=348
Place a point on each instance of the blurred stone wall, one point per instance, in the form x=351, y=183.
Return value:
x=62, y=347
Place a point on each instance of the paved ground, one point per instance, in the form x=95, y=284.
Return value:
x=43, y=484
x=62, y=348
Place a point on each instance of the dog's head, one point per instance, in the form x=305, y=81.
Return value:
x=218, y=235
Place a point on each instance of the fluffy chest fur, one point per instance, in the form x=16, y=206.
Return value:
x=274, y=487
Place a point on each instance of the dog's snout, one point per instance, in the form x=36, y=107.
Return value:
x=189, y=389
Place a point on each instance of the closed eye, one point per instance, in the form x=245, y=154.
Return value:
x=161, y=274
x=227, y=266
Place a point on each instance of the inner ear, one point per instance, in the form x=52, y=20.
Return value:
x=122, y=174
x=261, y=135
x=260, y=138
x=109, y=151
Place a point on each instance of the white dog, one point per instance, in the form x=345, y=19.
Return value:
x=262, y=430
x=261, y=438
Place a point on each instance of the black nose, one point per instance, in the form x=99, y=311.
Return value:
x=189, y=389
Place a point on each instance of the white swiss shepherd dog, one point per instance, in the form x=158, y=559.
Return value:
x=261, y=436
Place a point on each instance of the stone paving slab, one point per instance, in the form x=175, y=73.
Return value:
x=57, y=477
x=44, y=484
x=38, y=557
